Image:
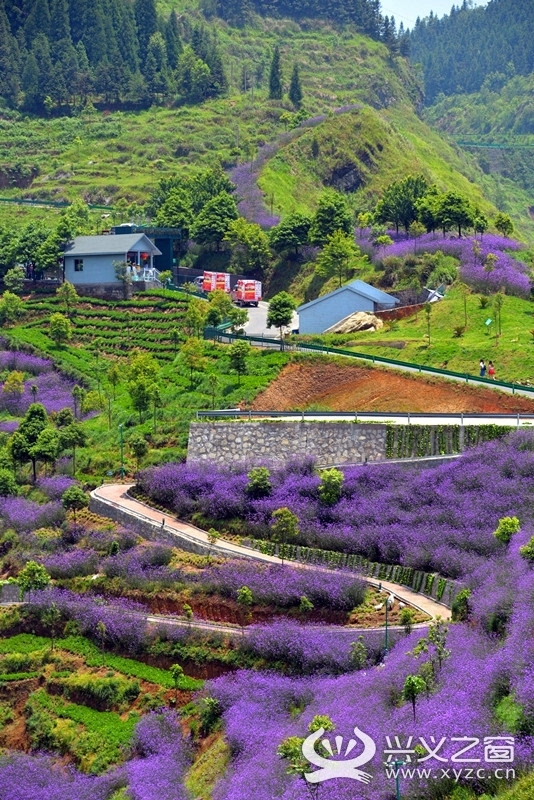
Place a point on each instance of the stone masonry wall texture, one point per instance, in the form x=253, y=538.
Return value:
x=264, y=442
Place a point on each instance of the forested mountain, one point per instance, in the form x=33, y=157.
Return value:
x=473, y=47
x=58, y=53
x=365, y=14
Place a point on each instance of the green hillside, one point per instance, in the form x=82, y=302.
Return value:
x=115, y=158
x=495, y=125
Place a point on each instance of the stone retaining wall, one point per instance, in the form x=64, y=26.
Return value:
x=269, y=442
x=145, y=528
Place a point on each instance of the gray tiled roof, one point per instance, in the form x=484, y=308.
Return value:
x=110, y=245
x=357, y=287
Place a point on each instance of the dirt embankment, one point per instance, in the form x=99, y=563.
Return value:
x=336, y=387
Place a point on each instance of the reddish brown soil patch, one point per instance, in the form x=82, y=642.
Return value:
x=336, y=387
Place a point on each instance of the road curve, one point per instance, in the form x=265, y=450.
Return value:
x=114, y=495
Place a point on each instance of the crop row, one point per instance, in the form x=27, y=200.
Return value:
x=126, y=666
x=105, y=734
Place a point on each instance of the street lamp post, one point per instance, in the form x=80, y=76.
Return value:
x=121, y=441
x=398, y=764
x=389, y=602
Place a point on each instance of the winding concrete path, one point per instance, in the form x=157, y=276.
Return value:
x=114, y=495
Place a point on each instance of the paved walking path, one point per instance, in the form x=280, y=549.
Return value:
x=115, y=495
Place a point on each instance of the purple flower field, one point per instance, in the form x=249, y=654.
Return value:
x=480, y=669
x=509, y=272
x=443, y=519
x=52, y=389
x=440, y=519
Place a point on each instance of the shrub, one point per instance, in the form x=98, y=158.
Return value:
x=330, y=486
x=460, y=606
x=527, y=551
x=506, y=528
x=259, y=482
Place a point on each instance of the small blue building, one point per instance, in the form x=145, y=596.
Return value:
x=92, y=259
x=320, y=314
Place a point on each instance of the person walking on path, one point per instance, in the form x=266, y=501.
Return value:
x=491, y=370
x=482, y=368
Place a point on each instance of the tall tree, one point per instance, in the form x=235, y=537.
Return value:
x=280, y=312
x=291, y=233
x=212, y=223
x=9, y=61
x=172, y=40
x=398, y=204
x=37, y=21
x=295, y=89
x=338, y=256
x=332, y=215
x=275, y=76
x=59, y=22
x=147, y=23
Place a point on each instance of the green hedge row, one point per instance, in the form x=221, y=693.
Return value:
x=426, y=583
x=418, y=441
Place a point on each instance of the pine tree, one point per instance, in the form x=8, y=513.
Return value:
x=9, y=61
x=59, y=21
x=275, y=76
x=37, y=21
x=172, y=40
x=295, y=89
x=30, y=84
x=147, y=23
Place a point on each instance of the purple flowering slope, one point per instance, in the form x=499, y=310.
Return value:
x=441, y=519
x=156, y=770
x=52, y=389
x=509, y=272
x=260, y=708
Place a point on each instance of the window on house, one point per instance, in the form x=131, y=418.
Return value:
x=78, y=265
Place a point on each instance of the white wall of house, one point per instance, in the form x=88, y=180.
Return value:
x=96, y=269
x=320, y=316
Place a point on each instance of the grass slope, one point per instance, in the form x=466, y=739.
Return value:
x=107, y=333
x=407, y=339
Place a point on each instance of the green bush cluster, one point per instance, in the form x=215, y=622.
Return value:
x=506, y=528
x=95, y=739
x=104, y=693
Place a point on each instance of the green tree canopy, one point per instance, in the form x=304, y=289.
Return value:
x=60, y=329
x=250, y=246
x=398, y=204
x=291, y=233
x=211, y=224
x=280, y=312
x=332, y=215
x=237, y=355
x=338, y=256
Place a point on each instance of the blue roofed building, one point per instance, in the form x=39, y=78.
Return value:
x=320, y=314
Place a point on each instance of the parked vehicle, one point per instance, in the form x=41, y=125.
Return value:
x=247, y=293
x=216, y=280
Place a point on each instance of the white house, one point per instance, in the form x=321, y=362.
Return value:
x=320, y=314
x=92, y=259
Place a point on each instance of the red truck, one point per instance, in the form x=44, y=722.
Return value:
x=247, y=293
x=215, y=280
